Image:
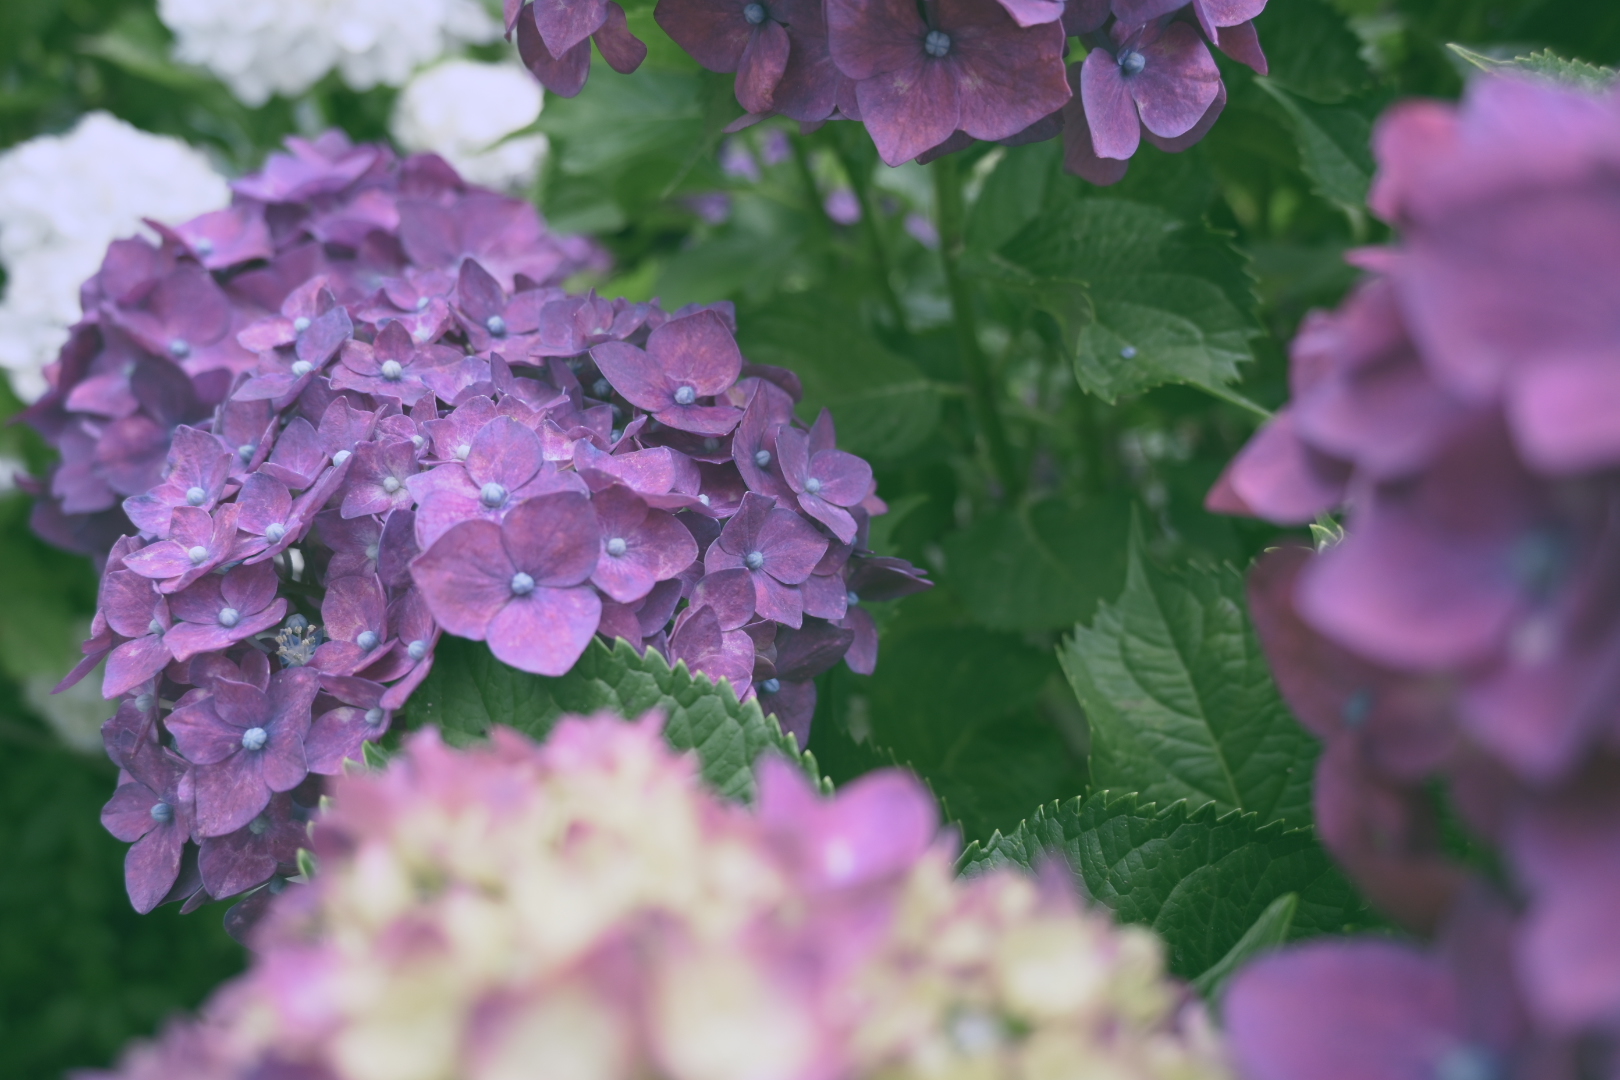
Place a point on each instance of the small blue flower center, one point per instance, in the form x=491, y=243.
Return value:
x=495, y=325
x=390, y=484
x=196, y=496
x=1131, y=62
x=259, y=825
x=144, y=702
x=1128, y=352
x=197, y=554
x=754, y=560
x=154, y=627
x=229, y=617
x=422, y=303
x=254, y=738
x=685, y=395
x=616, y=546
x=203, y=247
x=374, y=715
x=162, y=813
x=301, y=368
x=852, y=596
x=522, y=584
x=937, y=43
x=704, y=499
x=301, y=324
x=371, y=552
x=418, y=442
x=416, y=649
x=391, y=370
x=813, y=486
x=1468, y=1062
x=762, y=458
x=463, y=451
x=711, y=444
x=367, y=640
x=274, y=531
x=492, y=495
x=770, y=686
x=245, y=452
x=754, y=13
x=601, y=388
x=340, y=457
x=179, y=348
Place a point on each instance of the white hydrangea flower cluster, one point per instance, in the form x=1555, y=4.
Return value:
x=63, y=199
x=462, y=109
x=264, y=47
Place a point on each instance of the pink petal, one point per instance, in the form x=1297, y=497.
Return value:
x=546, y=631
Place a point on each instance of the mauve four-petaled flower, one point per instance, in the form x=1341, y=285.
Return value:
x=377, y=478
x=686, y=359
x=1159, y=76
x=778, y=50
x=198, y=468
x=392, y=366
x=564, y=72
x=221, y=609
x=198, y=542
x=777, y=547
x=151, y=811
x=825, y=480
x=969, y=67
x=237, y=861
x=706, y=648
x=339, y=733
x=640, y=546
x=246, y=743
x=505, y=465
x=519, y=585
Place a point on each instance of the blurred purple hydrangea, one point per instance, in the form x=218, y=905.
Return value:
x=388, y=422
x=1459, y=409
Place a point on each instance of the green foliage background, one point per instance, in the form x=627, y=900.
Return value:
x=1084, y=662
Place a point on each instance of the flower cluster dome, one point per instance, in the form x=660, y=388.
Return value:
x=312, y=432
x=586, y=909
x=1460, y=407
x=63, y=199
x=265, y=47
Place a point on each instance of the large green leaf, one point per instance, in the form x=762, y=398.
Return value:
x=469, y=691
x=1140, y=297
x=884, y=405
x=960, y=705
x=1040, y=567
x=1269, y=931
x=1312, y=51
x=1181, y=701
x=1199, y=878
x=1334, y=144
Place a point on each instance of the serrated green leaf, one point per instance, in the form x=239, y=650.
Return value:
x=1041, y=567
x=1312, y=51
x=374, y=756
x=469, y=691
x=1334, y=143
x=1180, y=698
x=1546, y=65
x=1269, y=931
x=1013, y=194
x=884, y=405
x=1198, y=878
x=1140, y=297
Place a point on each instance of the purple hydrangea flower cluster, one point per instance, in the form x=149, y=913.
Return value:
x=1462, y=405
x=428, y=436
x=928, y=79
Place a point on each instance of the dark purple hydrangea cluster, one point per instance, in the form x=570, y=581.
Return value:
x=1464, y=406
x=928, y=79
x=406, y=428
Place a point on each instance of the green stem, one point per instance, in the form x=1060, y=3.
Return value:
x=861, y=184
x=981, y=395
x=818, y=210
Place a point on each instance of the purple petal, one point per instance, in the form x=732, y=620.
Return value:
x=553, y=538
x=1178, y=84
x=871, y=37
x=730, y=593
x=713, y=34
x=791, y=546
x=565, y=75
x=622, y=50
x=229, y=795
x=152, y=865
x=1110, y=111
x=546, y=631
x=910, y=109
x=465, y=577
x=564, y=24
x=763, y=63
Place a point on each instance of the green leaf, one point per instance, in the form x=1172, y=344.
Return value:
x=1546, y=65
x=1140, y=297
x=469, y=691
x=1334, y=143
x=960, y=706
x=1199, y=878
x=1181, y=701
x=883, y=404
x=46, y=599
x=1269, y=931
x=1013, y=193
x=1312, y=51
x=618, y=118
x=374, y=756
x=1040, y=567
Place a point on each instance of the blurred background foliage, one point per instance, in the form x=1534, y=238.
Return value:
x=834, y=264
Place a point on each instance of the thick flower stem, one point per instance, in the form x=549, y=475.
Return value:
x=975, y=365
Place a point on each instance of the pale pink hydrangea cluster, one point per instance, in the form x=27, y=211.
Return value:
x=586, y=910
